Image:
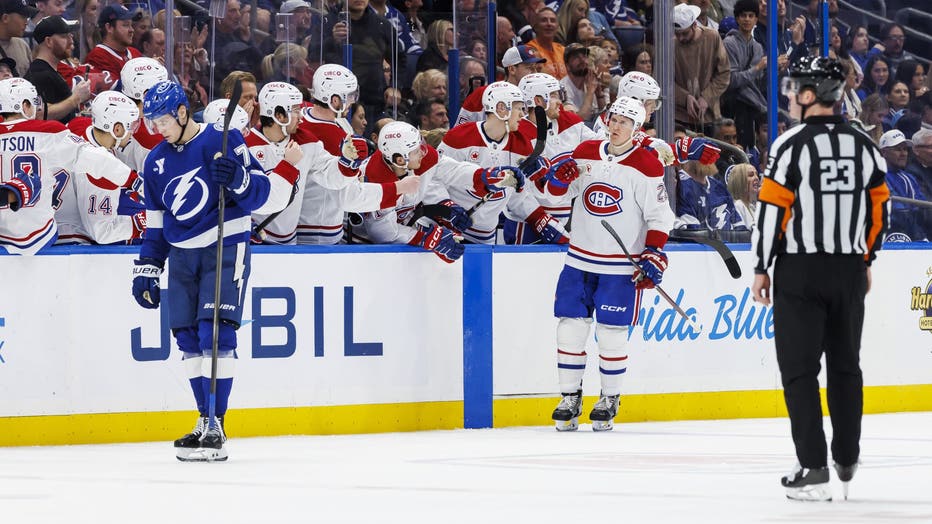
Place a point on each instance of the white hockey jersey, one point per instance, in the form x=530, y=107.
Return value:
x=628, y=191
x=88, y=209
x=46, y=147
x=389, y=225
x=469, y=143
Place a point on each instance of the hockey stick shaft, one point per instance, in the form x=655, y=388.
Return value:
x=541, y=117
x=676, y=307
x=911, y=201
x=218, y=270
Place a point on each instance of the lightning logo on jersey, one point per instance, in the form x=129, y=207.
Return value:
x=180, y=188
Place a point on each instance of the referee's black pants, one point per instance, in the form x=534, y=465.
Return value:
x=819, y=307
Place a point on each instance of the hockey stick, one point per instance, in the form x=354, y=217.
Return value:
x=708, y=238
x=911, y=201
x=659, y=289
x=212, y=399
x=540, y=117
x=728, y=149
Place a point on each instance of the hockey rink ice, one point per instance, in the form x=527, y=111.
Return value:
x=701, y=471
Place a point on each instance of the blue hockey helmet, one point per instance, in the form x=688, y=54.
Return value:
x=163, y=98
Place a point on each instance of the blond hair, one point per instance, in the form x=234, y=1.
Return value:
x=277, y=60
x=736, y=179
x=423, y=81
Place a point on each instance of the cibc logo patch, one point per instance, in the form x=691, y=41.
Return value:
x=602, y=199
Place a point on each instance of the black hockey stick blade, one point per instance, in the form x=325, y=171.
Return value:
x=703, y=237
x=541, y=118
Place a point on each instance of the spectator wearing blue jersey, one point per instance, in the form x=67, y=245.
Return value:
x=907, y=224
x=703, y=201
x=185, y=177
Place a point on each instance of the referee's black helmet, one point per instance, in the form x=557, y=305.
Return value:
x=823, y=75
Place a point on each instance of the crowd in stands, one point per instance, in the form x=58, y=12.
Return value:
x=401, y=53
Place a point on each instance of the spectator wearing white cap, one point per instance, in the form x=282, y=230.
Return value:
x=702, y=69
x=518, y=62
x=906, y=224
x=300, y=21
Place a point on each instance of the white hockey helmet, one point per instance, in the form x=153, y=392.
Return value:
x=110, y=108
x=629, y=108
x=501, y=92
x=15, y=91
x=139, y=74
x=216, y=110
x=539, y=84
x=398, y=138
x=334, y=79
x=641, y=87
x=279, y=94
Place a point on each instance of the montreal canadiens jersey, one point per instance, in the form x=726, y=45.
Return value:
x=389, y=225
x=469, y=143
x=628, y=191
x=49, y=149
x=472, y=110
x=182, y=200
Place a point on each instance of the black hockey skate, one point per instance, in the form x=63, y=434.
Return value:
x=845, y=474
x=807, y=484
x=208, y=447
x=603, y=413
x=566, y=415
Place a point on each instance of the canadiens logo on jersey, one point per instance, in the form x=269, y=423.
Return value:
x=186, y=195
x=498, y=195
x=602, y=199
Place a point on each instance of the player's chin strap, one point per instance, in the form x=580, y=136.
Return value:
x=184, y=127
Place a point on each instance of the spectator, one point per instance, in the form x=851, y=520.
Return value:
x=743, y=183
x=7, y=68
x=373, y=40
x=288, y=64
x=88, y=12
x=850, y=101
x=892, y=38
x=614, y=57
x=790, y=38
x=898, y=100
x=569, y=13
x=813, y=34
x=44, y=9
x=477, y=49
x=431, y=114
x=581, y=84
x=748, y=72
x=409, y=44
x=300, y=21
x=877, y=77
x=702, y=70
x=504, y=37
x=142, y=22
x=639, y=58
x=913, y=74
x=153, y=44
x=439, y=41
x=859, y=46
x=429, y=84
x=411, y=11
x=906, y=225
x=521, y=15
x=231, y=51
x=922, y=106
x=13, y=17
x=703, y=201
x=617, y=13
x=56, y=41
x=920, y=165
x=873, y=110
x=115, y=49
x=357, y=119
x=472, y=75
x=518, y=62
x=708, y=16
x=584, y=33
x=545, y=27
x=188, y=67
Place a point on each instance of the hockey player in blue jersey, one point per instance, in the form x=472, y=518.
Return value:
x=183, y=181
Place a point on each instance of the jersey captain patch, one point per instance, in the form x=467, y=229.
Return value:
x=602, y=199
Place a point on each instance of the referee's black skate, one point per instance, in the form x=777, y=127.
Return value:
x=845, y=474
x=566, y=415
x=807, y=484
x=603, y=413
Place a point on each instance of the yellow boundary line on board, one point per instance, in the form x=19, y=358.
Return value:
x=420, y=416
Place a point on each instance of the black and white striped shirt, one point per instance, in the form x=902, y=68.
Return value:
x=823, y=192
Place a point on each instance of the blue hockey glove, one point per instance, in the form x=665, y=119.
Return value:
x=439, y=240
x=25, y=189
x=537, y=170
x=653, y=263
x=146, y=289
x=229, y=173
x=459, y=220
x=701, y=149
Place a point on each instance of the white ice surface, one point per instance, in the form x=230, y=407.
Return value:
x=706, y=471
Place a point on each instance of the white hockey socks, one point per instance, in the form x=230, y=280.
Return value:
x=571, y=352
x=613, y=357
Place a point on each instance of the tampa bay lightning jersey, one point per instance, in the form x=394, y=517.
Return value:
x=706, y=207
x=182, y=203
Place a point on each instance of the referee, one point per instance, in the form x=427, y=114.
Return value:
x=822, y=215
